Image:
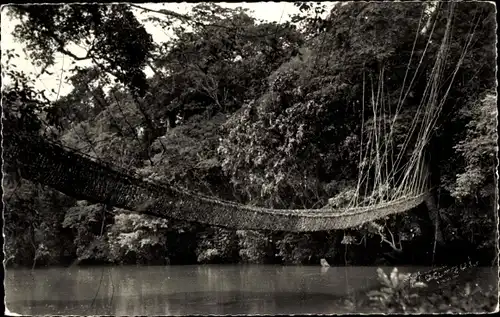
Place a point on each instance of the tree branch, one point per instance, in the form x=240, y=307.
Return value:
x=190, y=19
x=392, y=243
x=61, y=45
x=155, y=70
x=167, y=13
x=61, y=48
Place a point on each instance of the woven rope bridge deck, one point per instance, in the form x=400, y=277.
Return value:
x=81, y=177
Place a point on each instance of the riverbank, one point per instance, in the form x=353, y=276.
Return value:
x=475, y=291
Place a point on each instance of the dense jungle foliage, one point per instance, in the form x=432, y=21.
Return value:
x=266, y=114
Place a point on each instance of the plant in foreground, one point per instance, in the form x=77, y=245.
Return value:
x=398, y=291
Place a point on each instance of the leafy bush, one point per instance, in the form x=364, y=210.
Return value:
x=137, y=239
x=88, y=223
x=217, y=245
x=397, y=292
x=303, y=248
x=254, y=246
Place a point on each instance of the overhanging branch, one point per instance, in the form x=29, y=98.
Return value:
x=187, y=18
x=167, y=13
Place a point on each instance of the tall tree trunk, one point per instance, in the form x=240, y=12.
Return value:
x=433, y=208
x=432, y=199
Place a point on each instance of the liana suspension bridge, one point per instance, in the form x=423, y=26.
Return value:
x=82, y=177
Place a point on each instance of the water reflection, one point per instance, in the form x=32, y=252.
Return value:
x=184, y=290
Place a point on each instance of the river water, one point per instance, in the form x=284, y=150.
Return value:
x=185, y=290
